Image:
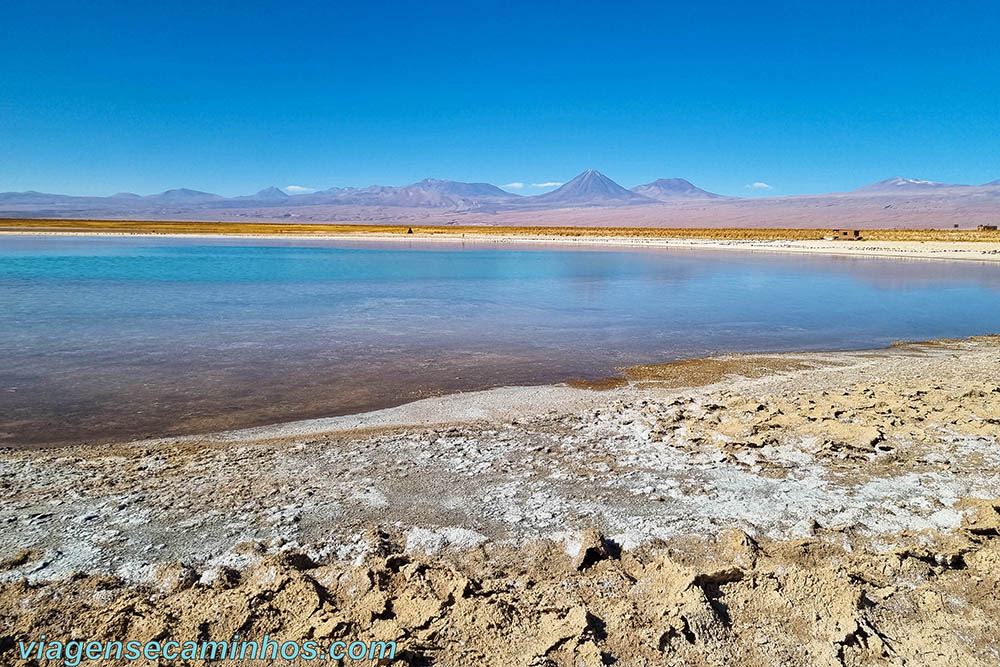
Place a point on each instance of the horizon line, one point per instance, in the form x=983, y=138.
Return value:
x=295, y=190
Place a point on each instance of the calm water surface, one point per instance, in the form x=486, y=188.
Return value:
x=103, y=338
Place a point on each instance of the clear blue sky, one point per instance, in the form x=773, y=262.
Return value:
x=97, y=97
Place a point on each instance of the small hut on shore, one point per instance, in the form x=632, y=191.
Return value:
x=847, y=234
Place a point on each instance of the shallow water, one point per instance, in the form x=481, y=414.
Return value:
x=109, y=337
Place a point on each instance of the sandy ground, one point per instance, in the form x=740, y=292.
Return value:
x=985, y=251
x=807, y=509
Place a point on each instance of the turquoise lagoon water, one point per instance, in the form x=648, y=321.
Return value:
x=110, y=337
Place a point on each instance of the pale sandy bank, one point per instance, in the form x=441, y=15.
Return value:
x=985, y=251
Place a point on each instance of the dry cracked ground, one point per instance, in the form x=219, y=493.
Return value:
x=812, y=509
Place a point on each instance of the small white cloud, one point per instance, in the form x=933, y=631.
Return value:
x=758, y=185
x=515, y=185
x=550, y=184
x=298, y=190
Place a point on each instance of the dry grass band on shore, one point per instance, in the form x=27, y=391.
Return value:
x=315, y=229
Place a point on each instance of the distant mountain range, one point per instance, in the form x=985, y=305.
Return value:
x=267, y=194
x=589, y=190
x=900, y=184
x=668, y=189
x=429, y=192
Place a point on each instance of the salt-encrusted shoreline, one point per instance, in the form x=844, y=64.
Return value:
x=806, y=509
x=642, y=462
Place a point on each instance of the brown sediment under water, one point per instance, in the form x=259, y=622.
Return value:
x=111, y=338
x=697, y=372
